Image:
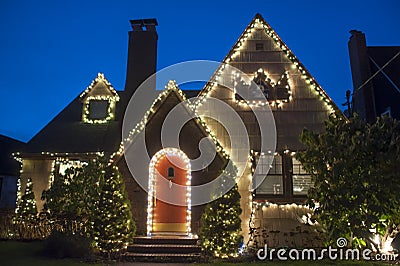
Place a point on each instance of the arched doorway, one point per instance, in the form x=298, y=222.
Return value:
x=168, y=168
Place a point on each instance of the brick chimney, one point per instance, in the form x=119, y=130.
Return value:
x=363, y=93
x=142, y=53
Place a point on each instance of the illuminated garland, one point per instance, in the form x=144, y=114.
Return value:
x=110, y=109
x=57, y=155
x=151, y=190
x=112, y=99
x=140, y=126
x=254, y=154
x=113, y=225
x=273, y=102
x=19, y=194
x=251, y=224
x=235, y=51
x=58, y=159
x=171, y=86
x=100, y=77
x=26, y=210
x=256, y=206
x=220, y=231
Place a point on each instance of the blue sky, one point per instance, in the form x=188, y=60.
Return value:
x=50, y=51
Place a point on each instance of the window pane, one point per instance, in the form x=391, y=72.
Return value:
x=171, y=172
x=265, y=166
x=98, y=109
x=64, y=165
x=301, y=184
x=301, y=179
x=272, y=185
x=298, y=168
x=276, y=167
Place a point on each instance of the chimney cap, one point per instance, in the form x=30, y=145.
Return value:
x=144, y=22
x=355, y=32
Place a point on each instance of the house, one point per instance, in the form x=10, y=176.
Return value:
x=9, y=172
x=376, y=79
x=272, y=207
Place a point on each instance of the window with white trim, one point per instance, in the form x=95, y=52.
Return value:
x=273, y=182
x=301, y=179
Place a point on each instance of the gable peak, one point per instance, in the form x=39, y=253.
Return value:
x=99, y=79
x=255, y=33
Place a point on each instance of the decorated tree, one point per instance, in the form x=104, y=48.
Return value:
x=26, y=212
x=113, y=224
x=221, y=225
x=73, y=196
x=355, y=168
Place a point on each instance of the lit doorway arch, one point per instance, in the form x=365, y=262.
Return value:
x=169, y=178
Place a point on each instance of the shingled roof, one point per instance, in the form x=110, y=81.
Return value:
x=67, y=133
x=260, y=49
x=9, y=166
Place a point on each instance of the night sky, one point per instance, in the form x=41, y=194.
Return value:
x=50, y=51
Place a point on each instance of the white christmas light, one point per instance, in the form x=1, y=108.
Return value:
x=151, y=196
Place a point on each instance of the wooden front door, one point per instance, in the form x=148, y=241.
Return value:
x=170, y=169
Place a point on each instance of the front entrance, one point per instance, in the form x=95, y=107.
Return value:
x=169, y=208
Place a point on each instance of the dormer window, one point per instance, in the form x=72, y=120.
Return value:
x=99, y=101
x=98, y=109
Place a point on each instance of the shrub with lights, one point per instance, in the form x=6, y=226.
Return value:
x=90, y=201
x=72, y=197
x=221, y=225
x=26, y=212
x=113, y=223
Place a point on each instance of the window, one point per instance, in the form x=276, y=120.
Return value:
x=259, y=46
x=273, y=182
x=272, y=185
x=283, y=88
x=98, y=109
x=171, y=172
x=301, y=179
x=282, y=93
x=264, y=83
x=64, y=165
x=276, y=167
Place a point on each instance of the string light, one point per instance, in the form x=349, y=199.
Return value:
x=140, y=126
x=18, y=156
x=220, y=232
x=111, y=98
x=151, y=195
x=260, y=24
x=278, y=101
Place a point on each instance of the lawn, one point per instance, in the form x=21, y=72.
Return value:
x=29, y=253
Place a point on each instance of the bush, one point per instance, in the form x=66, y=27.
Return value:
x=67, y=245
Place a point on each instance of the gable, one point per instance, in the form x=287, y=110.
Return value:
x=74, y=130
x=100, y=87
x=99, y=100
x=150, y=127
x=297, y=101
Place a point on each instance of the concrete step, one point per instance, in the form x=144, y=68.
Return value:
x=165, y=240
x=164, y=249
x=166, y=255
